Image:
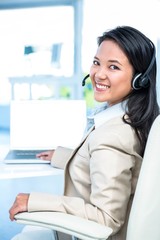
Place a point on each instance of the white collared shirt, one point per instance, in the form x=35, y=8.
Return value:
x=106, y=114
x=109, y=113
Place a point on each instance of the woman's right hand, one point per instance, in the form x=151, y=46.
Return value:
x=20, y=205
x=47, y=155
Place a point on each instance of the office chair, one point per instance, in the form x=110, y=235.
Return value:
x=145, y=212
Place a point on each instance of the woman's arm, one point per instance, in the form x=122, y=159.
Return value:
x=60, y=157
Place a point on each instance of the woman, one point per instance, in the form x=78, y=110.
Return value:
x=102, y=172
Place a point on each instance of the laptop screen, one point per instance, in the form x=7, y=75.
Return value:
x=46, y=124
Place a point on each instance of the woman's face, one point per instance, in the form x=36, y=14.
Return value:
x=111, y=73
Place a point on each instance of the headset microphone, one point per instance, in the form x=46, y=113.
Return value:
x=84, y=80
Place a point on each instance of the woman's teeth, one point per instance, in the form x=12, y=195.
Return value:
x=104, y=87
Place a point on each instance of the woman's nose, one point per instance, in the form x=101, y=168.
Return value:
x=101, y=73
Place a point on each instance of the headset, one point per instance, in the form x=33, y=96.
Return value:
x=84, y=80
x=142, y=80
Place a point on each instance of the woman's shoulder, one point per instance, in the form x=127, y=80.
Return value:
x=115, y=130
x=117, y=123
x=116, y=134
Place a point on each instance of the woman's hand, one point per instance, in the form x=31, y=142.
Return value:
x=46, y=155
x=20, y=205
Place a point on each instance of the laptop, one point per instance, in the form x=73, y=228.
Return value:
x=41, y=125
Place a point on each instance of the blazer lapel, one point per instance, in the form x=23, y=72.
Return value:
x=82, y=141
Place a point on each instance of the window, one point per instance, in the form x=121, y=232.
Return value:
x=42, y=42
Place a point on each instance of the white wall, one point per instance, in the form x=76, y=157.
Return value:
x=100, y=15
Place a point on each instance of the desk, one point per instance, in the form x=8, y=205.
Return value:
x=11, y=171
x=16, y=178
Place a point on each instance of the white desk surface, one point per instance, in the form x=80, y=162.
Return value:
x=10, y=171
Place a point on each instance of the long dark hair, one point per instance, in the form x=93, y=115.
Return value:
x=142, y=107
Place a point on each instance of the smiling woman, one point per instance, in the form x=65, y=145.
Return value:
x=101, y=173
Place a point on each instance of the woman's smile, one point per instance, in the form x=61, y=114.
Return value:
x=101, y=87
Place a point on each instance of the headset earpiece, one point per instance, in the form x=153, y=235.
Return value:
x=135, y=82
x=143, y=80
x=144, y=83
x=140, y=81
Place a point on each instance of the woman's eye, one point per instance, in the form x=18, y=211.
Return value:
x=95, y=62
x=114, y=67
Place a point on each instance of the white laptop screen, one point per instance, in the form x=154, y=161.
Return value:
x=46, y=124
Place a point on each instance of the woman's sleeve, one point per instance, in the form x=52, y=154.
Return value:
x=60, y=157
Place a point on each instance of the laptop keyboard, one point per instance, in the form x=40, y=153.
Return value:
x=27, y=152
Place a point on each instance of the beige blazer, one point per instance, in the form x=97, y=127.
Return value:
x=100, y=177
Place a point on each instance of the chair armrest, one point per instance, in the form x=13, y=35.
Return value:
x=66, y=223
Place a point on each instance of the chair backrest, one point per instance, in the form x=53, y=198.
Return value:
x=145, y=213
